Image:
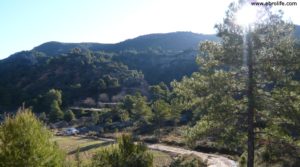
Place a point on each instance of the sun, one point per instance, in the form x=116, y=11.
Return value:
x=246, y=16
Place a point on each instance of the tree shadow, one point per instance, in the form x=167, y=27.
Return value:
x=92, y=146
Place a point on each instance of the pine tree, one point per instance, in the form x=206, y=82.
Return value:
x=24, y=141
x=161, y=112
x=95, y=117
x=125, y=153
x=137, y=108
x=238, y=91
x=69, y=116
x=55, y=112
x=51, y=96
x=43, y=117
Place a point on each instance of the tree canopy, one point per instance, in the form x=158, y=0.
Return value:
x=218, y=93
x=25, y=141
x=125, y=153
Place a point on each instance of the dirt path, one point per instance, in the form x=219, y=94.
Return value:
x=212, y=159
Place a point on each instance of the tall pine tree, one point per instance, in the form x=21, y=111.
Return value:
x=245, y=91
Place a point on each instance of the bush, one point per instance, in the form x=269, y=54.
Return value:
x=69, y=116
x=275, y=153
x=24, y=141
x=55, y=112
x=125, y=153
x=188, y=161
x=95, y=117
x=80, y=113
x=43, y=117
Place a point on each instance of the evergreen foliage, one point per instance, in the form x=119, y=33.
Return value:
x=125, y=153
x=188, y=161
x=137, y=107
x=95, y=117
x=55, y=112
x=25, y=141
x=161, y=112
x=69, y=116
x=77, y=74
x=218, y=97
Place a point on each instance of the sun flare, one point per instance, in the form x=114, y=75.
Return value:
x=246, y=16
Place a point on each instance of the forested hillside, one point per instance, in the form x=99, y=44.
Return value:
x=83, y=70
x=78, y=75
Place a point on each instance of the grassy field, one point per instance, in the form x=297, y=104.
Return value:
x=88, y=147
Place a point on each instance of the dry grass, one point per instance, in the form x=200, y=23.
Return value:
x=88, y=147
x=161, y=159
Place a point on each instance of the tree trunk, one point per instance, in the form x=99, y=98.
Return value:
x=159, y=126
x=251, y=102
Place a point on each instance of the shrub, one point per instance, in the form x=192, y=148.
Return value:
x=125, y=153
x=188, y=161
x=24, y=141
x=55, y=112
x=69, y=116
x=95, y=117
x=43, y=117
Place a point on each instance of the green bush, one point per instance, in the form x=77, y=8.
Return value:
x=25, y=142
x=124, y=154
x=188, y=161
x=43, y=117
x=95, y=117
x=55, y=112
x=69, y=116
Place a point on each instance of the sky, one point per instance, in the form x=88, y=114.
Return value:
x=25, y=24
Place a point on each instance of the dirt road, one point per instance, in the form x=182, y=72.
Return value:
x=212, y=159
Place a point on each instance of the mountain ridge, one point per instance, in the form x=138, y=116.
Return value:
x=173, y=42
x=126, y=44
x=84, y=70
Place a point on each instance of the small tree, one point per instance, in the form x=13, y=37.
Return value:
x=160, y=91
x=141, y=112
x=177, y=107
x=95, y=117
x=55, y=112
x=161, y=112
x=44, y=102
x=53, y=95
x=24, y=141
x=43, y=117
x=79, y=113
x=137, y=108
x=69, y=116
x=125, y=153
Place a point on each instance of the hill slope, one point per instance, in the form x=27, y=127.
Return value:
x=78, y=75
x=83, y=70
x=161, y=57
x=169, y=42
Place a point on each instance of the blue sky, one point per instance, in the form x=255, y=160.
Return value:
x=28, y=23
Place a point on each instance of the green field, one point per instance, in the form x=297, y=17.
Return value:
x=88, y=147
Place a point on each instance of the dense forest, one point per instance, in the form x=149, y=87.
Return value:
x=88, y=69
x=84, y=70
